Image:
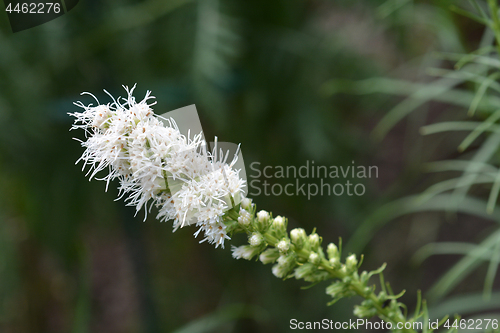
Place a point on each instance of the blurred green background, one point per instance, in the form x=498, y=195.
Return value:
x=261, y=73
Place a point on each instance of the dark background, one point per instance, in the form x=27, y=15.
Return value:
x=260, y=72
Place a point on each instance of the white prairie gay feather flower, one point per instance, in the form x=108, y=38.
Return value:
x=158, y=165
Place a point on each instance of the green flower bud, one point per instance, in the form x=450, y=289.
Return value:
x=314, y=241
x=284, y=266
x=347, y=280
x=351, y=263
x=269, y=256
x=317, y=276
x=332, y=251
x=304, y=271
x=365, y=310
x=256, y=239
x=244, y=252
x=314, y=258
x=246, y=203
x=283, y=246
x=263, y=216
x=336, y=289
x=368, y=303
x=298, y=237
x=262, y=221
x=279, y=225
x=339, y=290
x=364, y=277
x=335, y=262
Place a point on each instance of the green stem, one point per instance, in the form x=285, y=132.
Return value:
x=354, y=284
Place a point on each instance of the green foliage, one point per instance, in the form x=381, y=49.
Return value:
x=471, y=88
x=260, y=73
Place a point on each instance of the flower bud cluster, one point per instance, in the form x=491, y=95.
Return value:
x=296, y=255
x=301, y=256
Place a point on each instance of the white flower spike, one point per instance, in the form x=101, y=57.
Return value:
x=157, y=165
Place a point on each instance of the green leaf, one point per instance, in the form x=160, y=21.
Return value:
x=455, y=183
x=465, y=304
x=445, y=248
x=481, y=91
x=492, y=199
x=470, y=15
x=492, y=270
x=462, y=268
x=409, y=205
x=485, y=152
x=460, y=165
x=427, y=93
